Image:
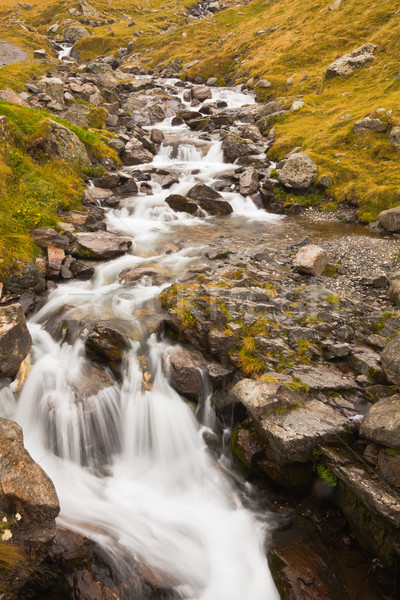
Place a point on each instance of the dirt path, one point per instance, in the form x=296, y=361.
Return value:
x=9, y=53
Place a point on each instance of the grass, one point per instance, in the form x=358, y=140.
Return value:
x=34, y=188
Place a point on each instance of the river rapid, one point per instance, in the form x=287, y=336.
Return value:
x=129, y=462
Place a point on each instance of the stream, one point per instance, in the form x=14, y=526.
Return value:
x=129, y=460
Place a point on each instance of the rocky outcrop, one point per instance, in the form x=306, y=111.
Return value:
x=346, y=64
x=30, y=506
x=15, y=339
x=60, y=142
x=298, y=172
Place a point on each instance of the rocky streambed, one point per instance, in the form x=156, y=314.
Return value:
x=183, y=341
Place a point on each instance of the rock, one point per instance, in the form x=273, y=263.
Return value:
x=302, y=565
x=234, y=146
x=369, y=124
x=388, y=467
x=11, y=96
x=382, y=422
x=326, y=181
x=45, y=237
x=101, y=245
x=96, y=66
x=39, y=54
x=291, y=423
x=248, y=182
x=53, y=87
x=135, y=153
x=183, y=372
x=394, y=136
x=25, y=490
x=106, y=343
x=24, y=277
x=391, y=360
x=394, y=289
x=156, y=136
x=15, y=339
x=212, y=81
x=60, y=142
x=181, y=204
x=55, y=257
x=297, y=105
x=311, y=260
x=324, y=379
x=299, y=172
x=367, y=362
x=74, y=33
x=264, y=84
x=349, y=62
x=390, y=219
x=201, y=93
x=209, y=200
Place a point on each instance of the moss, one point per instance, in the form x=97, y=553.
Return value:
x=334, y=299
x=326, y=475
x=331, y=271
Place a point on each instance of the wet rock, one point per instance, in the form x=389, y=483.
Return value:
x=291, y=423
x=55, y=257
x=135, y=153
x=74, y=33
x=80, y=270
x=15, y=339
x=311, y=260
x=209, y=200
x=179, y=203
x=369, y=124
x=382, y=422
x=248, y=182
x=391, y=360
x=201, y=93
x=302, y=566
x=235, y=146
x=106, y=343
x=349, y=62
x=101, y=245
x=390, y=219
x=45, y=237
x=156, y=136
x=299, y=172
x=25, y=490
x=24, y=277
x=183, y=370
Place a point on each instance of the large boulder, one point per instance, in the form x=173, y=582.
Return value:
x=74, y=33
x=106, y=343
x=15, y=339
x=345, y=65
x=248, y=182
x=101, y=245
x=311, y=260
x=382, y=422
x=291, y=423
x=391, y=360
x=209, y=200
x=201, y=93
x=390, y=219
x=60, y=142
x=30, y=505
x=234, y=146
x=299, y=172
x=180, y=203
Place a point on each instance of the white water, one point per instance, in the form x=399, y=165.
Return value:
x=129, y=462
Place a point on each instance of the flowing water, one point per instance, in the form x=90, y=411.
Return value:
x=128, y=458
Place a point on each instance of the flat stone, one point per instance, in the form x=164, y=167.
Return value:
x=322, y=378
x=101, y=245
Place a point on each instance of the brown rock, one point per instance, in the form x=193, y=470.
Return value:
x=55, y=257
x=101, y=245
x=311, y=260
x=15, y=339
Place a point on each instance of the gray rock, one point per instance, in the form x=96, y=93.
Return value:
x=390, y=219
x=135, y=153
x=248, y=182
x=234, y=146
x=60, y=142
x=291, y=423
x=299, y=172
x=311, y=260
x=179, y=203
x=391, y=360
x=101, y=245
x=394, y=136
x=15, y=339
x=53, y=87
x=74, y=33
x=212, y=81
x=39, y=54
x=321, y=378
x=201, y=93
x=27, y=490
x=382, y=422
x=367, y=362
x=45, y=237
x=369, y=124
x=349, y=62
x=24, y=277
x=388, y=467
x=209, y=200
